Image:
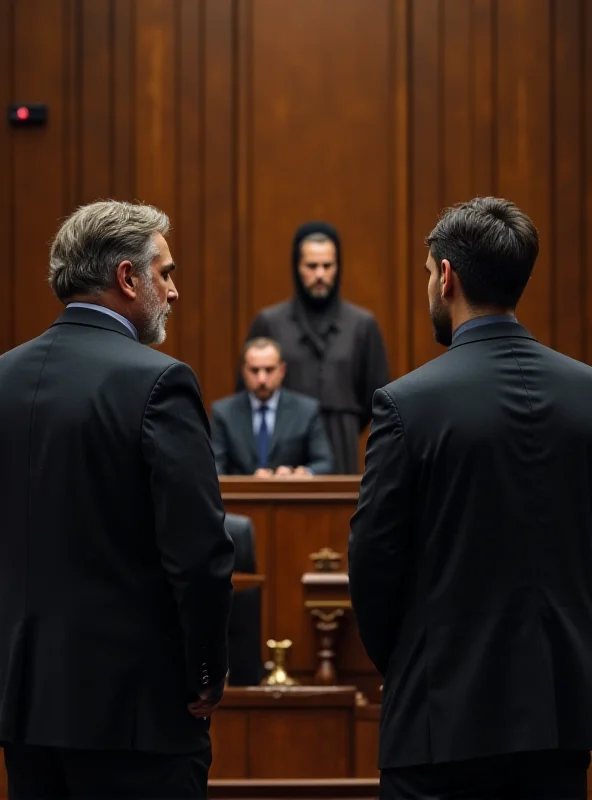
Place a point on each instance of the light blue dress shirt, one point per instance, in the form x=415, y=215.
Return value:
x=270, y=414
x=110, y=313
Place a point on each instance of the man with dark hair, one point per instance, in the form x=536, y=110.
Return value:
x=267, y=430
x=115, y=565
x=470, y=553
x=333, y=350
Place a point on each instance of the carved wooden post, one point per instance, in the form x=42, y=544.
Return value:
x=327, y=626
x=326, y=596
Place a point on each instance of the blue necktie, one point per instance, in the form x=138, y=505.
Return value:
x=263, y=438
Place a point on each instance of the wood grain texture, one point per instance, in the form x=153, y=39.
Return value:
x=243, y=118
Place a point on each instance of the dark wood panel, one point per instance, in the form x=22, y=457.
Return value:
x=524, y=139
x=40, y=161
x=426, y=163
x=94, y=81
x=457, y=126
x=483, y=90
x=156, y=111
x=366, y=753
x=586, y=32
x=319, y=745
x=230, y=732
x=6, y=185
x=220, y=300
x=122, y=133
x=567, y=256
x=188, y=219
x=315, y=142
x=401, y=355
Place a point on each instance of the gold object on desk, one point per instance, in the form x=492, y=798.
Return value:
x=327, y=560
x=278, y=675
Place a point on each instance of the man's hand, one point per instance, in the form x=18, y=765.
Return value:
x=283, y=472
x=207, y=701
x=263, y=473
x=303, y=472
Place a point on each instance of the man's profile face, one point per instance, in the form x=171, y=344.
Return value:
x=263, y=371
x=439, y=314
x=156, y=293
x=318, y=268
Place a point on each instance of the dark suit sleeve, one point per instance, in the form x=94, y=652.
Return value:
x=380, y=533
x=374, y=371
x=320, y=455
x=219, y=443
x=196, y=552
x=259, y=327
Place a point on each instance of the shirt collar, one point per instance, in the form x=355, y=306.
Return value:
x=488, y=319
x=271, y=403
x=119, y=317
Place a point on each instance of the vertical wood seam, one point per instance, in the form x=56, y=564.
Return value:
x=553, y=298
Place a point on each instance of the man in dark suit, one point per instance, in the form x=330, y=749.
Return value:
x=471, y=550
x=266, y=430
x=115, y=567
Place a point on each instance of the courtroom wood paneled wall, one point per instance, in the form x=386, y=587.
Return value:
x=243, y=118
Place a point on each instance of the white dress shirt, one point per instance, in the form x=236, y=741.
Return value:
x=270, y=414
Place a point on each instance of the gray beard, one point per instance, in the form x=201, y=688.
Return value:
x=153, y=331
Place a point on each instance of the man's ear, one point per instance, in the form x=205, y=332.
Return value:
x=127, y=279
x=446, y=278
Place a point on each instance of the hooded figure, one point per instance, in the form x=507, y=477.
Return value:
x=334, y=350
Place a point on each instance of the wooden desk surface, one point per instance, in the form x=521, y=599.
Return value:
x=294, y=517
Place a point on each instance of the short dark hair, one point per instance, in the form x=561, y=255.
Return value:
x=259, y=343
x=492, y=246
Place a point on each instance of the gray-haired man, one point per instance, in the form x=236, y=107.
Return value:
x=115, y=567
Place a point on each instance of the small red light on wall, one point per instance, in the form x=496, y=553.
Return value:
x=27, y=114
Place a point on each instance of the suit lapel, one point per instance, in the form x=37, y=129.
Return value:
x=245, y=428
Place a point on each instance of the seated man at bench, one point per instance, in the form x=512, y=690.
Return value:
x=266, y=430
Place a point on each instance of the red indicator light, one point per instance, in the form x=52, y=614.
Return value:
x=22, y=113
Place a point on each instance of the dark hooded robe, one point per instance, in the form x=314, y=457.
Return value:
x=334, y=352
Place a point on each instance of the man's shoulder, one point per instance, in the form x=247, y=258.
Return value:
x=424, y=377
x=302, y=402
x=119, y=353
x=276, y=311
x=226, y=405
x=359, y=313
x=566, y=365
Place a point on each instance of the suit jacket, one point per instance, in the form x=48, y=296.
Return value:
x=341, y=366
x=115, y=566
x=298, y=439
x=471, y=552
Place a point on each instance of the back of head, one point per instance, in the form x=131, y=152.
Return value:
x=492, y=247
x=315, y=232
x=95, y=239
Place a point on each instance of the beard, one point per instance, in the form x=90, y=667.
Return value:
x=152, y=329
x=441, y=322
